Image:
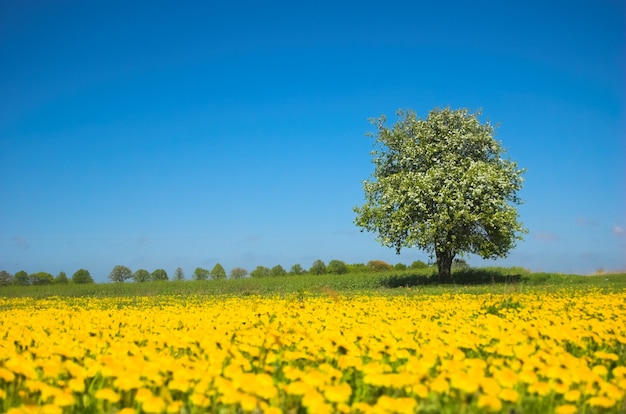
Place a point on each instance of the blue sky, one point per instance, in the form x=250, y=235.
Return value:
x=165, y=134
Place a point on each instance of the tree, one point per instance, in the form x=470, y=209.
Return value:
x=238, y=273
x=460, y=264
x=61, y=279
x=41, y=278
x=200, y=274
x=179, y=274
x=278, y=270
x=399, y=266
x=378, y=266
x=337, y=267
x=141, y=275
x=5, y=278
x=120, y=274
x=296, y=270
x=318, y=268
x=419, y=264
x=443, y=185
x=218, y=272
x=21, y=278
x=82, y=276
x=260, y=271
x=159, y=275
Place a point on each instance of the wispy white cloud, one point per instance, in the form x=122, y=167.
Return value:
x=619, y=231
x=545, y=236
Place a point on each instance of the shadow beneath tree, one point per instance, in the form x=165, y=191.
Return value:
x=459, y=277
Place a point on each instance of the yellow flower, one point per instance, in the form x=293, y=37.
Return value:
x=566, y=409
x=489, y=402
x=572, y=396
x=153, y=404
x=396, y=405
x=107, y=394
x=601, y=402
x=509, y=395
x=338, y=393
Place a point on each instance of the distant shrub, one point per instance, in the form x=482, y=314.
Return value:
x=460, y=264
x=21, y=278
x=357, y=268
x=61, y=279
x=238, y=273
x=260, y=271
x=200, y=274
x=378, y=266
x=5, y=278
x=159, y=275
x=277, y=270
x=179, y=274
x=318, y=268
x=418, y=264
x=141, y=275
x=297, y=270
x=399, y=266
x=336, y=267
x=218, y=272
x=82, y=276
x=41, y=278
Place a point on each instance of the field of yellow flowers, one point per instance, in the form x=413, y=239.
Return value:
x=562, y=352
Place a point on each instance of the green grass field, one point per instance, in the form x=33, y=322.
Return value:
x=423, y=281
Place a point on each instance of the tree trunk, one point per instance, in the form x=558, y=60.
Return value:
x=444, y=265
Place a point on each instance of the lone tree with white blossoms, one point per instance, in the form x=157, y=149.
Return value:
x=442, y=184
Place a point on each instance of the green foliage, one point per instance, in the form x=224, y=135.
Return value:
x=200, y=274
x=238, y=273
x=218, y=272
x=260, y=271
x=378, y=266
x=61, y=279
x=41, y=278
x=120, y=274
x=278, y=270
x=459, y=264
x=443, y=185
x=141, y=276
x=159, y=275
x=297, y=270
x=357, y=268
x=179, y=274
x=336, y=267
x=82, y=276
x=318, y=268
x=409, y=282
x=399, y=266
x=5, y=278
x=418, y=264
x=21, y=278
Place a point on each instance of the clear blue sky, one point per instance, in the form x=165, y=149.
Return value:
x=164, y=134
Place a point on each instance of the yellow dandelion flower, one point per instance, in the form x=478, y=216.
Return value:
x=540, y=388
x=153, y=404
x=143, y=394
x=396, y=405
x=600, y=370
x=200, y=400
x=489, y=402
x=566, y=409
x=420, y=390
x=338, y=393
x=603, y=402
x=440, y=385
x=509, y=395
x=6, y=375
x=64, y=399
x=572, y=396
x=107, y=394
x=273, y=410
x=3, y=394
x=248, y=402
x=127, y=410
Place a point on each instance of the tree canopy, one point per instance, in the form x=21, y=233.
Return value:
x=442, y=184
x=120, y=274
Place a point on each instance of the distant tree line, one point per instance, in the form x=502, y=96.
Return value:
x=122, y=273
